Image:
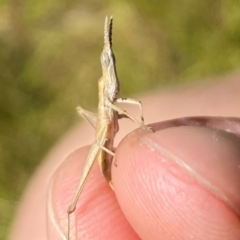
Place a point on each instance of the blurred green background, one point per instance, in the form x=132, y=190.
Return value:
x=49, y=63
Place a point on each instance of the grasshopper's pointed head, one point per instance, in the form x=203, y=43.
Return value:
x=108, y=61
x=108, y=31
x=107, y=54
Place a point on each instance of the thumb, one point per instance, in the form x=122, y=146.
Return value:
x=183, y=181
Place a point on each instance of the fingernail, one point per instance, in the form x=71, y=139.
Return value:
x=54, y=229
x=60, y=193
x=210, y=153
x=59, y=197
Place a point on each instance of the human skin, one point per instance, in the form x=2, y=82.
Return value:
x=181, y=182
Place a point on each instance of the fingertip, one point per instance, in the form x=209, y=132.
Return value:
x=97, y=214
x=60, y=193
x=160, y=198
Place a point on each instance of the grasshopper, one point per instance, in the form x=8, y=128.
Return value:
x=106, y=120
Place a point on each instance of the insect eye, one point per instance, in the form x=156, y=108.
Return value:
x=105, y=59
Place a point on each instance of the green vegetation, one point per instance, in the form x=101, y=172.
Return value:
x=49, y=63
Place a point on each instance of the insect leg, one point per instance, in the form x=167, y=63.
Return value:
x=89, y=116
x=85, y=172
x=132, y=101
x=123, y=112
x=106, y=149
